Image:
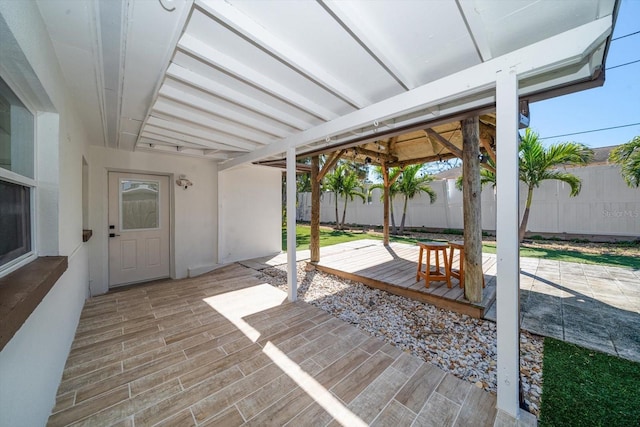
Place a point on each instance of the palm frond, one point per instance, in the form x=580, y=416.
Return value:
x=628, y=157
x=574, y=182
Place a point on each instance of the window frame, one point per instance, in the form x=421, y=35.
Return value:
x=15, y=178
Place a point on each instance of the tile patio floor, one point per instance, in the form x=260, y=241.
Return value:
x=594, y=306
x=226, y=349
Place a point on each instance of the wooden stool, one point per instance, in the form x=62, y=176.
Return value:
x=458, y=274
x=437, y=274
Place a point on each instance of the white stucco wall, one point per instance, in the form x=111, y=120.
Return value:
x=31, y=363
x=250, y=206
x=194, y=210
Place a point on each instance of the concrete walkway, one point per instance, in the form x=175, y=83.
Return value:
x=594, y=306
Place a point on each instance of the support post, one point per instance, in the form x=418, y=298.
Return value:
x=508, y=246
x=314, y=244
x=471, y=207
x=292, y=284
x=385, y=198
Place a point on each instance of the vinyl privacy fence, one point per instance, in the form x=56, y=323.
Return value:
x=605, y=206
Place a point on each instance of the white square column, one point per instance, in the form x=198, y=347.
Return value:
x=292, y=284
x=508, y=246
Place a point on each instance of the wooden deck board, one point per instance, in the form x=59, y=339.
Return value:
x=393, y=268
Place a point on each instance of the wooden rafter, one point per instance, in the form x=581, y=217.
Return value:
x=427, y=159
x=488, y=167
x=331, y=162
x=487, y=133
x=435, y=136
x=383, y=157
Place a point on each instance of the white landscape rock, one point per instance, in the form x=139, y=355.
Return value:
x=454, y=342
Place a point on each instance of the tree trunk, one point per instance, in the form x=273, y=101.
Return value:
x=471, y=190
x=394, y=231
x=337, y=218
x=385, y=221
x=344, y=212
x=525, y=215
x=404, y=215
x=314, y=244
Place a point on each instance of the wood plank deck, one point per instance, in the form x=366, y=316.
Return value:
x=393, y=269
x=226, y=349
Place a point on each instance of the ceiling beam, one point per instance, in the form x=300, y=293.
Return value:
x=199, y=118
x=159, y=140
x=187, y=152
x=562, y=50
x=475, y=28
x=214, y=88
x=279, y=49
x=369, y=39
x=436, y=137
x=251, y=76
x=205, y=134
x=178, y=138
x=168, y=91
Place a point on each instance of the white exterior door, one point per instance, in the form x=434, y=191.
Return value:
x=138, y=228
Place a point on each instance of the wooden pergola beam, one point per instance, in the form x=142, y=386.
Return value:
x=488, y=167
x=331, y=162
x=435, y=136
x=487, y=132
x=314, y=243
x=428, y=159
x=383, y=157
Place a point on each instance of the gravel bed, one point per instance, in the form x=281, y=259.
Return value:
x=456, y=343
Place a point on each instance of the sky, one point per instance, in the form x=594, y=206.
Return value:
x=616, y=103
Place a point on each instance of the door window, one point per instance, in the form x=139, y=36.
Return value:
x=139, y=204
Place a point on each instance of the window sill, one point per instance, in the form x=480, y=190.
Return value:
x=22, y=290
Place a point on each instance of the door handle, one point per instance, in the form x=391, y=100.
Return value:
x=114, y=235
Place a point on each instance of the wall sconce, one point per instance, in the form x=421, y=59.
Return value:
x=182, y=181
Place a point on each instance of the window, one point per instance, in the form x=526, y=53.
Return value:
x=17, y=129
x=139, y=202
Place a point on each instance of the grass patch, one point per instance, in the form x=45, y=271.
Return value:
x=571, y=256
x=585, y=388
x=332, y=237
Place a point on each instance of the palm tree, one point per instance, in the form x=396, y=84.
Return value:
x=393, y=191
x=410, y=185
x=538, y=164
x=486, y=176
x=333, y=183
x=628, y=157
x=351, y=187
x=343, y=182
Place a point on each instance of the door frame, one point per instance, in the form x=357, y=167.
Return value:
x=105, y=220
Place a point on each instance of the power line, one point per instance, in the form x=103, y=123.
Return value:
x=626, y=35
x=622, y=65
x=592, y=130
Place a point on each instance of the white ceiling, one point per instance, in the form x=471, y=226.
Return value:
x=222, y=79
